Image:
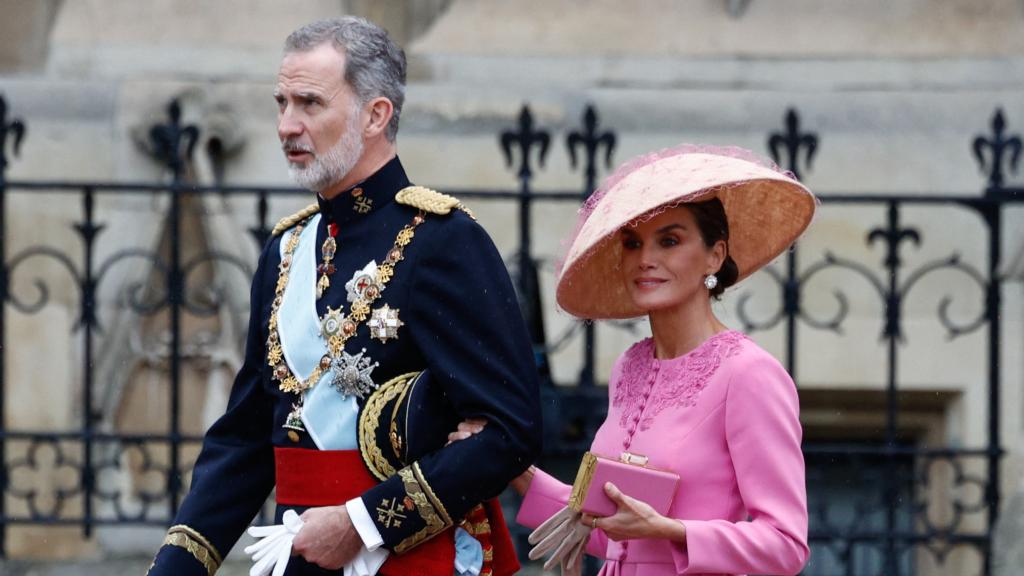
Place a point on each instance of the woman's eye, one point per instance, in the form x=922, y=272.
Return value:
x=669, y=241
x=630, y=244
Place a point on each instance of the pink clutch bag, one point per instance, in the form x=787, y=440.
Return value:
x=630, y=474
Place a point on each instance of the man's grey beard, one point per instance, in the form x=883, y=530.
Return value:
x=324, y=171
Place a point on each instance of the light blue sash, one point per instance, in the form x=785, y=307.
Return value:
x=329, y=417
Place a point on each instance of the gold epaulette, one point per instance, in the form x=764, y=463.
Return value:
x=289, y=221
x=430, y=201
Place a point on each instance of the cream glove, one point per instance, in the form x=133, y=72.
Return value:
x=566, y=537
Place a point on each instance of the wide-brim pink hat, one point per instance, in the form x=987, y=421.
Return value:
x=766, y=209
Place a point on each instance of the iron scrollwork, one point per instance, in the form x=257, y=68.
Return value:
x=136, y=480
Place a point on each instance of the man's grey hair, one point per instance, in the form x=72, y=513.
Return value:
x=374, y=64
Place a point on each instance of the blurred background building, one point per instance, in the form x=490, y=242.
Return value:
x=140, y=169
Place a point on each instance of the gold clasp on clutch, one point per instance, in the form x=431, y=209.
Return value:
x=634, y=459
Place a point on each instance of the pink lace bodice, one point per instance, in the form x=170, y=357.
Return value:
x=725, y=419
x=647, y=386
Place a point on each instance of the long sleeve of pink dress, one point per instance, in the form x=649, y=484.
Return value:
x=725, y=418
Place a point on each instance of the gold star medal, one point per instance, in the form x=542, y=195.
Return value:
x=330, y=324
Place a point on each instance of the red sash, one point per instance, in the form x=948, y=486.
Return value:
x=333, y=477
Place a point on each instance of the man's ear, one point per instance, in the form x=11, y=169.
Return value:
x=378, y=113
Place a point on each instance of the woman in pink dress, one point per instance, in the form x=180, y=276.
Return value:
x=663, y=237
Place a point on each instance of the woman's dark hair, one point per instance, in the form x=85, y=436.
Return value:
x=710, y=217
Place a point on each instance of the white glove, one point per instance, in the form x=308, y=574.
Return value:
x=566, y=537
x=275, y=547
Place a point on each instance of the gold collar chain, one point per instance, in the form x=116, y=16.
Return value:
x=287, y=381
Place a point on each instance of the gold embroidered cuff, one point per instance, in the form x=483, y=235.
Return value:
x=427, y=505
x=434, y=500
x=199, y=547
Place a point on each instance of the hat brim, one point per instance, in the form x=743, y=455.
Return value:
x=766, y=211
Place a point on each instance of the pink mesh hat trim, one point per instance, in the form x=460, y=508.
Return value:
x=767, y=210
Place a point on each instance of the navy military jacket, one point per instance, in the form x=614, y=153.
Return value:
x=461, y=321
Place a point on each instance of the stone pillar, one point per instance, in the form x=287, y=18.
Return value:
x=25, y=33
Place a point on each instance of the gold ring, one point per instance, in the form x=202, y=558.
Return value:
x=593, y=523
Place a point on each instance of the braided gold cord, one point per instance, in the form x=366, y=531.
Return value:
x=427, y=200
x=289, y=221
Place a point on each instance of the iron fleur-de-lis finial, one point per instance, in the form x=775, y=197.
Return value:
x=792, y=140
x=591, y=140
x=525, y=138
x=998, y=146
x=173, y=143
x=14, y=128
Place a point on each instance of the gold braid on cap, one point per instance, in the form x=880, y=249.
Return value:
x=289, y=221
x=430, y=201
x=370, y=420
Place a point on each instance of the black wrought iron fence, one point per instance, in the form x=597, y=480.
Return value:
x=870, y=499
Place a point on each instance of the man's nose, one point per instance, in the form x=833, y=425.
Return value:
x=288, y=125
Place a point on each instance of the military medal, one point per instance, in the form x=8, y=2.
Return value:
x=365, y=283
x=330, y=324
x=352, y=374
x=325, y=268
x=294, y=422
x=384, y=323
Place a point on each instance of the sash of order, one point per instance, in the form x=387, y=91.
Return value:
x=329, y=416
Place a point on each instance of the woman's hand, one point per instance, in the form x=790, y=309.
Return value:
x=522, y=482
x=635, y=519
x=471, y=426
x=467, y=428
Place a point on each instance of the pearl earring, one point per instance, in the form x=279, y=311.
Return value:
x=710, y=281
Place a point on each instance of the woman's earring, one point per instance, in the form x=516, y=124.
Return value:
x=710, y=281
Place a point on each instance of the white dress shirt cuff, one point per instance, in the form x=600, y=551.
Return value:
x=364, y=524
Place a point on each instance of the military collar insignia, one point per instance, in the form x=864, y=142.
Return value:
x=364, y=283
x=366, y=197
x=361, y=203
x=384, y=323
x=352, y=374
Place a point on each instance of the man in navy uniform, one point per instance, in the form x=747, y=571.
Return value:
x=378, y=282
